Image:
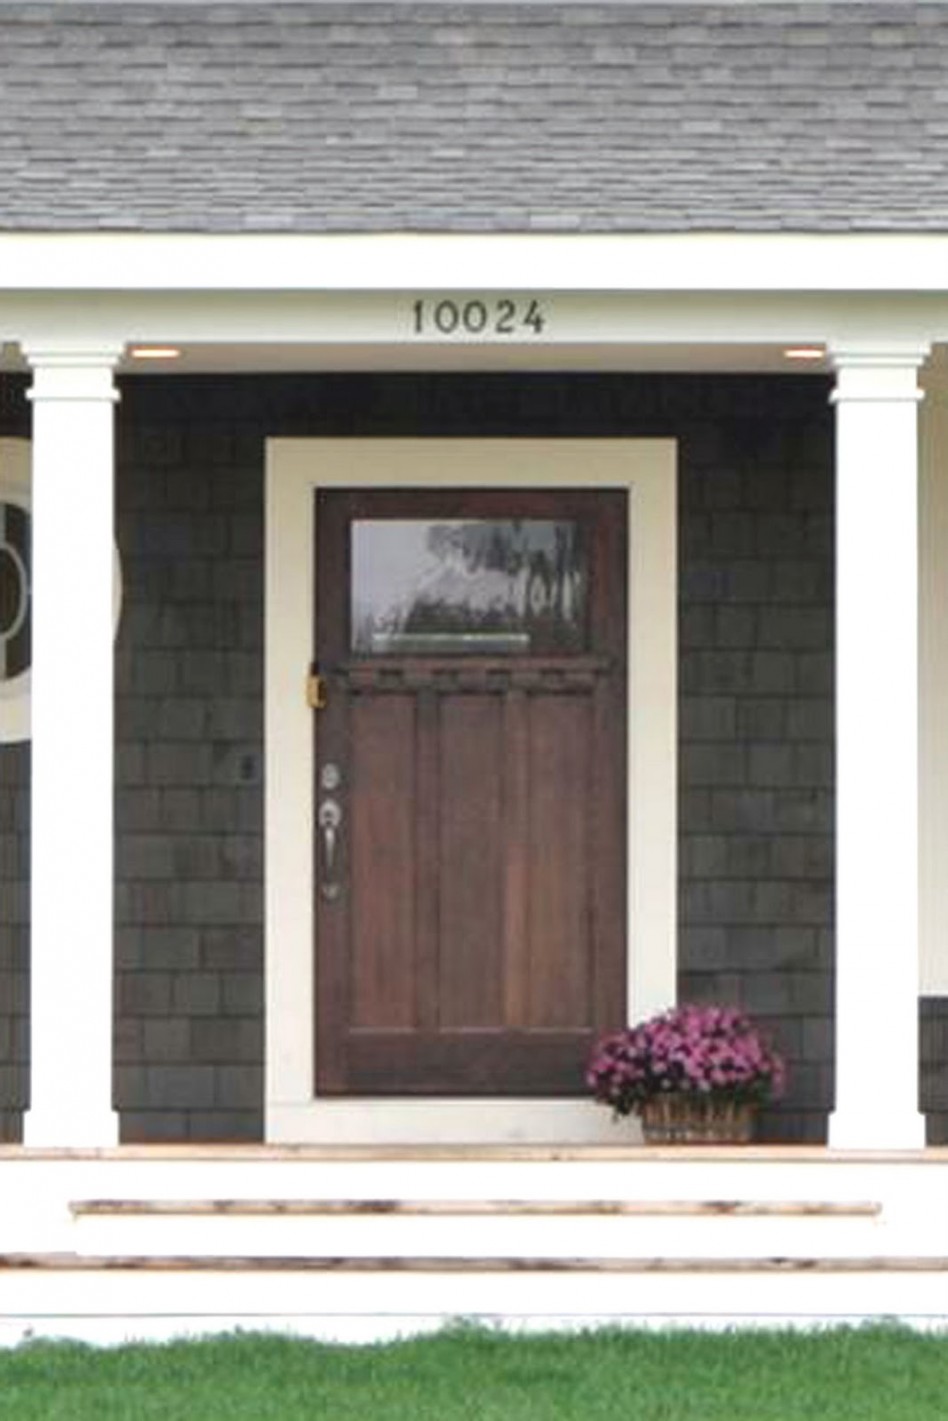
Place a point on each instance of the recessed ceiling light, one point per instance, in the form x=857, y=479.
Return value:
x=154, y=352
x=805, y=352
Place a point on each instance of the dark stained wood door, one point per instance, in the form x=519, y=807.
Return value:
x=471, y=899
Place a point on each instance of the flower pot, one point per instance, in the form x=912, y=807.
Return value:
x=681, y=1119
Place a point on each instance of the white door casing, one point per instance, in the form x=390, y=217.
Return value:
x=295, y=469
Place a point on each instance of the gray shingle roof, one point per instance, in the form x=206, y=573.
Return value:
x=511, y=116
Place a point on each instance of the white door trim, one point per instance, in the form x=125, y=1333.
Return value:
x=295, y=469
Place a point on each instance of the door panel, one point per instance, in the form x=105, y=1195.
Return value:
x=471, y=898
x=557, y=975
x=470, y=821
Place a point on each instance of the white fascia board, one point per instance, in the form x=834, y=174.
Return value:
x=571, y=319
x=711, y=262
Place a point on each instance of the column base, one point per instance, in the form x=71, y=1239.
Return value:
x=867, y=1129
x=62, y=1128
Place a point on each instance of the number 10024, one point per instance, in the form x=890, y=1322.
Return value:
x=500, y=316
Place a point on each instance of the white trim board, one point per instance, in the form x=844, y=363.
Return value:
x=295, y=469
x=933, y=689
x=360, y=261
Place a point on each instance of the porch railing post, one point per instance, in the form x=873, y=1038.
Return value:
x=877, y=968
x=72, y=693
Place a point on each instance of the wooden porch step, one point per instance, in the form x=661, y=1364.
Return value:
x=230, y=1263
x=624, y=1208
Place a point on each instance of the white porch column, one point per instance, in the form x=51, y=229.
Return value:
x=72, y=732
x=877, y=967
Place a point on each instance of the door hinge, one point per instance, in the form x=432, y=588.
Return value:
x=316, y=691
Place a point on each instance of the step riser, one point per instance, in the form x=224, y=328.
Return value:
x=70, y=1304
x=499, y=1236
x=656, y=1180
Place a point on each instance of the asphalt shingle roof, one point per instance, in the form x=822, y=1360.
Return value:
x=635, y=116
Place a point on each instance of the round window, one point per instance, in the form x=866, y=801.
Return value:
x=14, y=590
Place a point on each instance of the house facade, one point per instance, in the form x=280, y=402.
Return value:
x=304, y=868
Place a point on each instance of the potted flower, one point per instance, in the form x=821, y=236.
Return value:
x=694, y=1075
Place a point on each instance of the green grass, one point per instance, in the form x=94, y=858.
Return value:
x=863, y=1374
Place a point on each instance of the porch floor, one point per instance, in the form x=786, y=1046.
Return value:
x=240, y=1150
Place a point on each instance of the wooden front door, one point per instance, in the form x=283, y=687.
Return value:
x=470, y=788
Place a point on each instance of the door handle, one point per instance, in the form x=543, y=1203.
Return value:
x=329, y=818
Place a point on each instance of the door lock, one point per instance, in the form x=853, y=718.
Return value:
x=330, y=776
x=316, y=691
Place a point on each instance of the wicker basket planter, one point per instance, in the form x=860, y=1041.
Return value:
x=695, y=1075
x=682, y=1119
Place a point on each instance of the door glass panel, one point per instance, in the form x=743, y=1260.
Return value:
x=467, y=587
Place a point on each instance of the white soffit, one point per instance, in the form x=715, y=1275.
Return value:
x=269, y=357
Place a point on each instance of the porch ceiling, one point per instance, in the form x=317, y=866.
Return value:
x=292, y=357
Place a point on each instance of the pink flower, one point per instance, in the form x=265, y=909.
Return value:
x=692, y=1049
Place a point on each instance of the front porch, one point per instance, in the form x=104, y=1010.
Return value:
x=755, y=712
x=785, y=837
x=225, y=235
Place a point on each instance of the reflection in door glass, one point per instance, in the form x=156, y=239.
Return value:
x=475, y=587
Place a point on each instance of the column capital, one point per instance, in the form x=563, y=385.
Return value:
x=73, y=373
x=878, y=373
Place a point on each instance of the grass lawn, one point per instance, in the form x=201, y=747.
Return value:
x=865, y=1374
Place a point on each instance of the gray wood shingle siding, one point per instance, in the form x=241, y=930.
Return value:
x=756, y=716
x=476, y=117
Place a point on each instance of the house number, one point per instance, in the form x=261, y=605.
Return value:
x=497, y=316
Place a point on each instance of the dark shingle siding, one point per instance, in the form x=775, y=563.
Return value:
x=189, y=805
x=335, y=117
x=756, y=774
x=756, y=771
x=756, y=718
